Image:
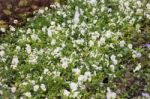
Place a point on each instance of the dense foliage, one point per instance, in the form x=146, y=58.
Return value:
x=88, y=49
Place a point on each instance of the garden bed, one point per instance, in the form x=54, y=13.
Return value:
x=88, y=49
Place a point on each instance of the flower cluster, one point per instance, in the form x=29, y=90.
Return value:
x=67, y=52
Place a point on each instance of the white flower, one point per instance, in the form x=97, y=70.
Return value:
x=139, y=11
x=15, y=21
x=63, y=45
x=73, y=86
x=87, y=74
x=76, y=71
x=94, y=21
x=49, y=32
x=75, y=94
x=148, y=16
x=52, y=23
x=76, y=16
x=137, y=68
x=57, y=4
x=29, y=31
x=41, y=11
x=122, y=43
x=24, y=83
x=2, y=53
x=115, y=62
x=41, y=78
x=93, y=1
x=41, y=51
x=56, y=73
x=28, y=94
x=28, y=48
x=53, y=6
x=126, y=4
x=66, y=92
x=112, y=67
x=82, y=78
x=36, y=87
x=53, y=42
x=56, y=51
x=64, y=15
x=91, y=43
x=95, y=35
x=21, y=98
x=108, y=34
x=130, y=46
x=97, y=67
x=110, y=94
x=45, y=71
x=101, y=41
x=34, y=37
x=113, y=58
x=93, y=54
x=14, y=62
x=109, y=10
x=65, y=62
x=148, y=6
x=82, y=31
x=43, y=87
x=103, y=8
x=13, y=89
x=83, y=24
x=132, y=21
x=111, y=45
x=136, y=54
x=33, y=59
x=2, y=29
x=12, y=28
x=80, y=41
x=32, y=82
x=139, y=3
x=93, y=11
x=18, y=48
x=44, y=29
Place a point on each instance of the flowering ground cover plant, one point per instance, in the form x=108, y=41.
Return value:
x=88, y=49
x=14, y=12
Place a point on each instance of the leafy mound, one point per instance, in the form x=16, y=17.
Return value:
x=87, y=49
